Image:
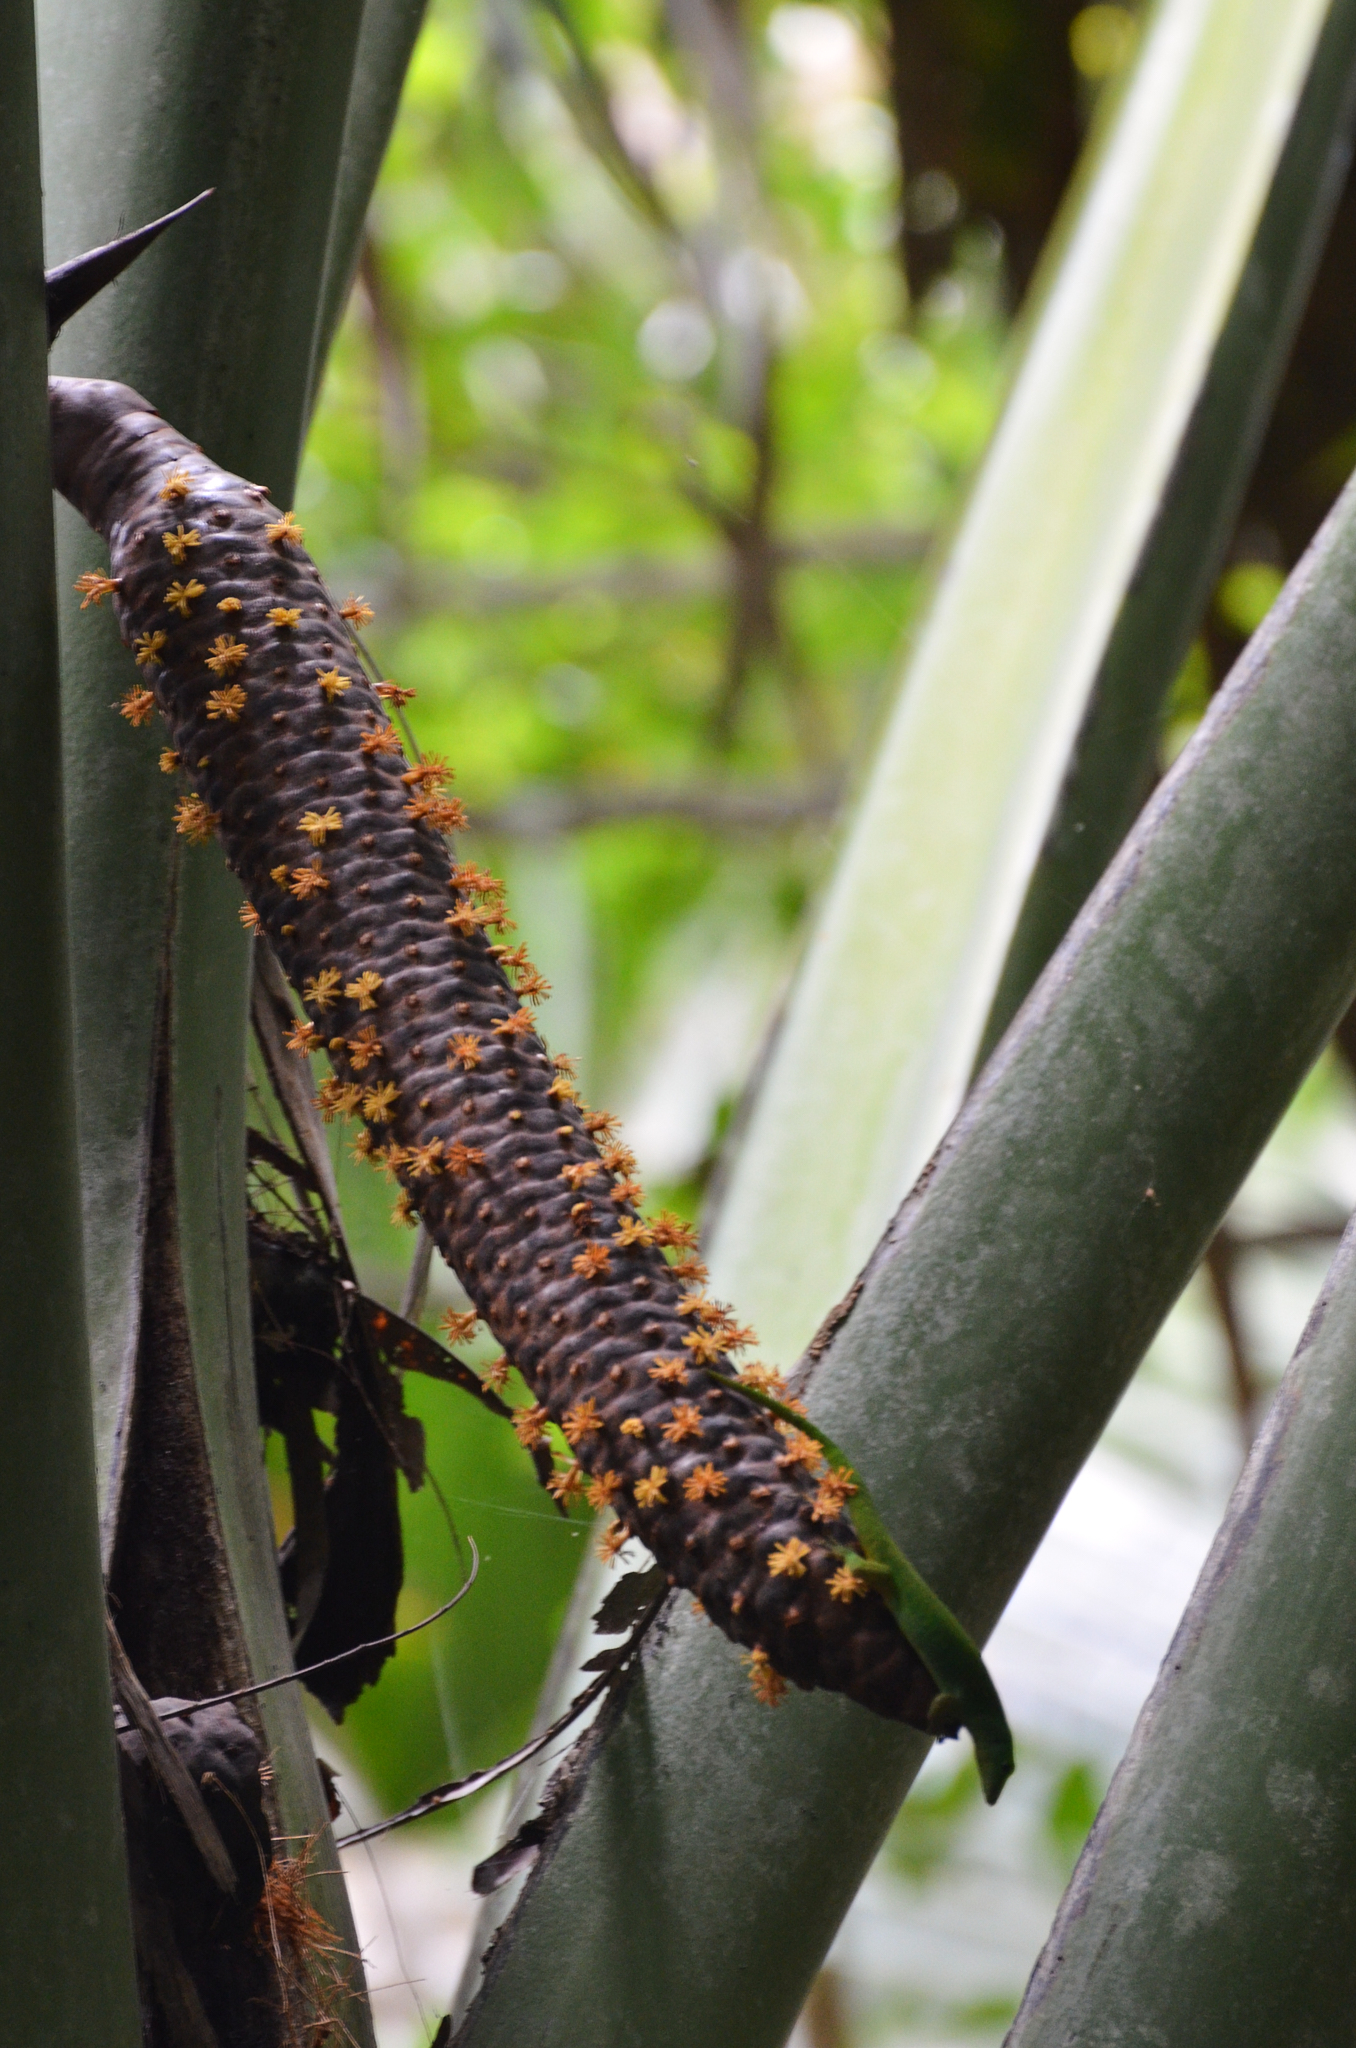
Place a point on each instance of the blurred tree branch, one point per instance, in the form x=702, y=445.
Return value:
x=1221, y=1260
x=402, y=429
x=988, y=95
x=544, y=812
x=651, y=578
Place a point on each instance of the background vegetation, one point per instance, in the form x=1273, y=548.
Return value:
x=645, y=516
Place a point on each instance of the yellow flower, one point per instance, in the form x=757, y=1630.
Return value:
x=284, y=616
x=581, y=1421
x=835, y=1488
x=633, y=1426
x=332, y=1099
x=193, y=819
x=846, y=1584
x=357, y=611
x=177, y=484
x=466, y=918
x=458, y=1324
x=787, y=1560
x=308, y=881
x=769, y=1381
x=305, y=1038
x=227, y=655
x=363, y=991
x=602, y=1491
x=178, y=543
x=593, y=1260
x=403, y=1215
x=649, y=1492
x=529, y=1426
x=249, y=917
x=286, y=528
x=377, y=1102
x=631, y=1232
x=137, y=706
x=391, y=693
x=580, y=1171
x=367, y=1047
x=332, y=683
x=769, y=1687
x=707, y=1346
x=230, y=604
x=424, y=1160
x=227, y=703
x=95, y=587
x=563, y=1485
x=315, y=824
x=533, y=985
x=612, y=1541
x=387, y=741
x=322, y=990
x=146, y=647
x=674, y=1370
x=448, y=814
x=800, y=1448
x=180, y=596
x=704, y=1483
x=686, y=1421
x=668, y=1230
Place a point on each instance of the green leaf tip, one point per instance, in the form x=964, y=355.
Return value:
x=966, y=1695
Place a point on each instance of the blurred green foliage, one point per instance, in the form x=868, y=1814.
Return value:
x=1073, y=1809
x=1246, y=594
x=923, y=1837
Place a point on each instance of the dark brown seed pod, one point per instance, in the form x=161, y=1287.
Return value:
x=289, y=756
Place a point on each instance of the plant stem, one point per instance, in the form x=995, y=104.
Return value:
x=1212, y=1902
x=994, y=1330
x=65, y=1924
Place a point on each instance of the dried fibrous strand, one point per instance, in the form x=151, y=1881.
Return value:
x=434, y=1047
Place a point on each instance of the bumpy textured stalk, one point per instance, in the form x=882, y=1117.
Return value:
x=289, y=756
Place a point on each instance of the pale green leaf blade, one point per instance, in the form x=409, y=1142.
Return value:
x=65, y=1926
x=1116, y=752
x=892, y=996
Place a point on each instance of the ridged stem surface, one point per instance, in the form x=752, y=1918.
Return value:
x=286, y=751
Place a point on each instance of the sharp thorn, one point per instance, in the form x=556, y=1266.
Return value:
x=72, y=285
